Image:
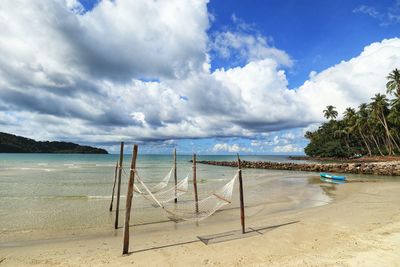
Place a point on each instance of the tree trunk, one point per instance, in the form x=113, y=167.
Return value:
x=365, y=142
x=395, y=143
x=377, y=145
x=388, y=140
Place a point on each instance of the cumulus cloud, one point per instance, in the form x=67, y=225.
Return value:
x=248, y=47
x=243, y=44
x=275, y=141
x=115, y=40
x=233, y=148
x=351, y=82
x=140, y=70
x=290, y=148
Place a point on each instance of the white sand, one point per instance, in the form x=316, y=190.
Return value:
x=360, y=228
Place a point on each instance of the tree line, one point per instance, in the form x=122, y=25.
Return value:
x=372, y=129
x=10, y=143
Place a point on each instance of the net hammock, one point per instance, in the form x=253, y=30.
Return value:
x=192, y=210
x=164, y=195
x=161, y=185
x=158, y=187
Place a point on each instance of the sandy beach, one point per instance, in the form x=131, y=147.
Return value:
x=361, y=227
x=199, y=133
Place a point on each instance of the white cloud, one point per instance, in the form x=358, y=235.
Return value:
x=368, y=10
x=256, y=143
x=352, y=82
x=288, y=136
x=280, y=140
x=69, y=74
x=75, y=6
x=248, y=47
x=116, y=40
x=387, y=17
x=233, y=148
x=290, y=148
x=310, y=128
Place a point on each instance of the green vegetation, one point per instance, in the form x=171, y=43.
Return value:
x=373, y=129
x=16, y=144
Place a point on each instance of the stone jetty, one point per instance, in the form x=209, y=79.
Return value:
x=375, y=168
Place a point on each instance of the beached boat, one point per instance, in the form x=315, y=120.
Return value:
x=334, y=177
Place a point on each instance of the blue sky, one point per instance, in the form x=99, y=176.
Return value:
x=317, y=34
x=208, y=77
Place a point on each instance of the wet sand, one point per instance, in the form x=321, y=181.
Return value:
x=361, y=227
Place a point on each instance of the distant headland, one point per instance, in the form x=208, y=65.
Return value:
x=10, y=143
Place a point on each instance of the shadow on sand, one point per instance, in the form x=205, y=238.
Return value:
x=221, y=237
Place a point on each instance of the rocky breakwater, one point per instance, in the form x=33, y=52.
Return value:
x=374, y=168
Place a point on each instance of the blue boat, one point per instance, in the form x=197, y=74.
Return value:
x=332, y=181
x=334, y=177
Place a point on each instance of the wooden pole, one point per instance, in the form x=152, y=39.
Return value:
x=195, y=183
x=129, y=196
x=242, y=216
x=115, y=180
x=121, y=159
x=175, y=176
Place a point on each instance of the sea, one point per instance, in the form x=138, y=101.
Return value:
x=45, y=196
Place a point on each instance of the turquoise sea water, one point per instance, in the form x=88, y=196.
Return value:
x=47, y=195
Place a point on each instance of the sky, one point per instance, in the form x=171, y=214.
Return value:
x=211, y=77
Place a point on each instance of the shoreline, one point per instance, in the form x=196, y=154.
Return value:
x=360, y=227
x=347, y=160
x=390, y=168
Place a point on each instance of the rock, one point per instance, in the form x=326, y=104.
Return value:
x=377, y=168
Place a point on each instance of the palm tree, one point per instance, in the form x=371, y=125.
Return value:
x=345, y=134
x=380, y=109
x=372, y=128
x=393, y=85
x=308, y=135
x=361, y=120
x=349, y=123
x=330, y=113
x=349, y=113
x=394, y=118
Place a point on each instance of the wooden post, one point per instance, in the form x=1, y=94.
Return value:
x=115, y=180
x=121, y=159
x=195, y=183
x=129, y=196
x=175, y=176
x=242, y=216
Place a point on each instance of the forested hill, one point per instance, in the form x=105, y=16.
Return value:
x=16, y=144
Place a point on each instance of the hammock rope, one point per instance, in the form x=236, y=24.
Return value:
x=186, y=210
x=161, y=185
x=165, y=195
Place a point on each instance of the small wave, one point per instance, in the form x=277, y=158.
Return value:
x=31, y=169
x=42, y=164
x=71, y=166
x=81, y=197
x=105, y=165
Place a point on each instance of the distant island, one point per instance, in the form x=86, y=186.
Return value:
x=10, y=143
